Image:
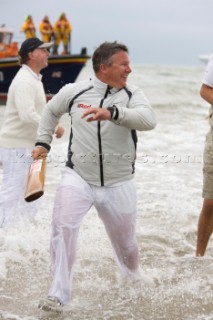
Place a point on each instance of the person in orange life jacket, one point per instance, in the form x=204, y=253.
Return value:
x=28, y=27
x=62, y=33
x=46, y=29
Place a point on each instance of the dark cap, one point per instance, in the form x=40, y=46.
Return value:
x=33, y=43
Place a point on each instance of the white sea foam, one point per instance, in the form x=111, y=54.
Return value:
x=169, y=180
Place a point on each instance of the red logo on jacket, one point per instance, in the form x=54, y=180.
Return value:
x=83, y=106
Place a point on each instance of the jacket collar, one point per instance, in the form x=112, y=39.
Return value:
x=102, y=87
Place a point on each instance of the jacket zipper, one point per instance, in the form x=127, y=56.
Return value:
x=99, y=140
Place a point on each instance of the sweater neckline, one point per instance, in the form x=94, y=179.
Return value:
x=37, y=76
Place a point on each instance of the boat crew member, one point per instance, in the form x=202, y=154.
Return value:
x=28, y=27
x=46, y=29
x=62, y=33
x=105, y=113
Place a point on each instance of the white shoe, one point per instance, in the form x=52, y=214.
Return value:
x=51, y=304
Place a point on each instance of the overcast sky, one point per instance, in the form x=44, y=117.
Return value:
x=156, y=31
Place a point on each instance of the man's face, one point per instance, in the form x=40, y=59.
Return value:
x=117, y=73
x=41, y=57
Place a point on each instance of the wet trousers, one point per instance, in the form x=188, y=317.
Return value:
x=16, y=162
x=116, y=207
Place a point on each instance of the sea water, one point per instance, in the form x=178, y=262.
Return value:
x=175, y=284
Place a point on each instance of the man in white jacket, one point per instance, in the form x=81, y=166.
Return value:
x=105, y=114
x=25, y=102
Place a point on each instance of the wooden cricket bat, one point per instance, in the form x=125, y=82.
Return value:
x=35, y=180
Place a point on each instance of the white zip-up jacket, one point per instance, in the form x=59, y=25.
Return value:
x=103, y=153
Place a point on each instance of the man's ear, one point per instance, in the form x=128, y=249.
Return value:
x=102, y=67
x=30, y=54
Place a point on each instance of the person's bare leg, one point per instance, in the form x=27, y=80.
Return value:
x=205, y=227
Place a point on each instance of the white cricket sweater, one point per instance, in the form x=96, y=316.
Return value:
x=26, y=99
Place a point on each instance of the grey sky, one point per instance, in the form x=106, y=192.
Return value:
x=156, y=31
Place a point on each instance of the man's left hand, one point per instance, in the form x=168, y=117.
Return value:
x=98, y=114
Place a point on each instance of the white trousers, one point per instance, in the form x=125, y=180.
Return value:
x=16, y=163
x=116, y=207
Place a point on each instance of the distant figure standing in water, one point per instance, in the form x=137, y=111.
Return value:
x=46, y=29
x=205, y=223
x=28, y=27
x=62, y=33
x=105, y=114
x=25, y=102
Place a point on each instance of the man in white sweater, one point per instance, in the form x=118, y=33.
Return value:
x=26, y=99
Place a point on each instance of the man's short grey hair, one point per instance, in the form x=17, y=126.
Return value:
x=104, y=53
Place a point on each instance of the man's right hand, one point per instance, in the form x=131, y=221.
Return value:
x=39, y=152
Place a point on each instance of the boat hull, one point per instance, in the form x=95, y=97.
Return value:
x=60, y=71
